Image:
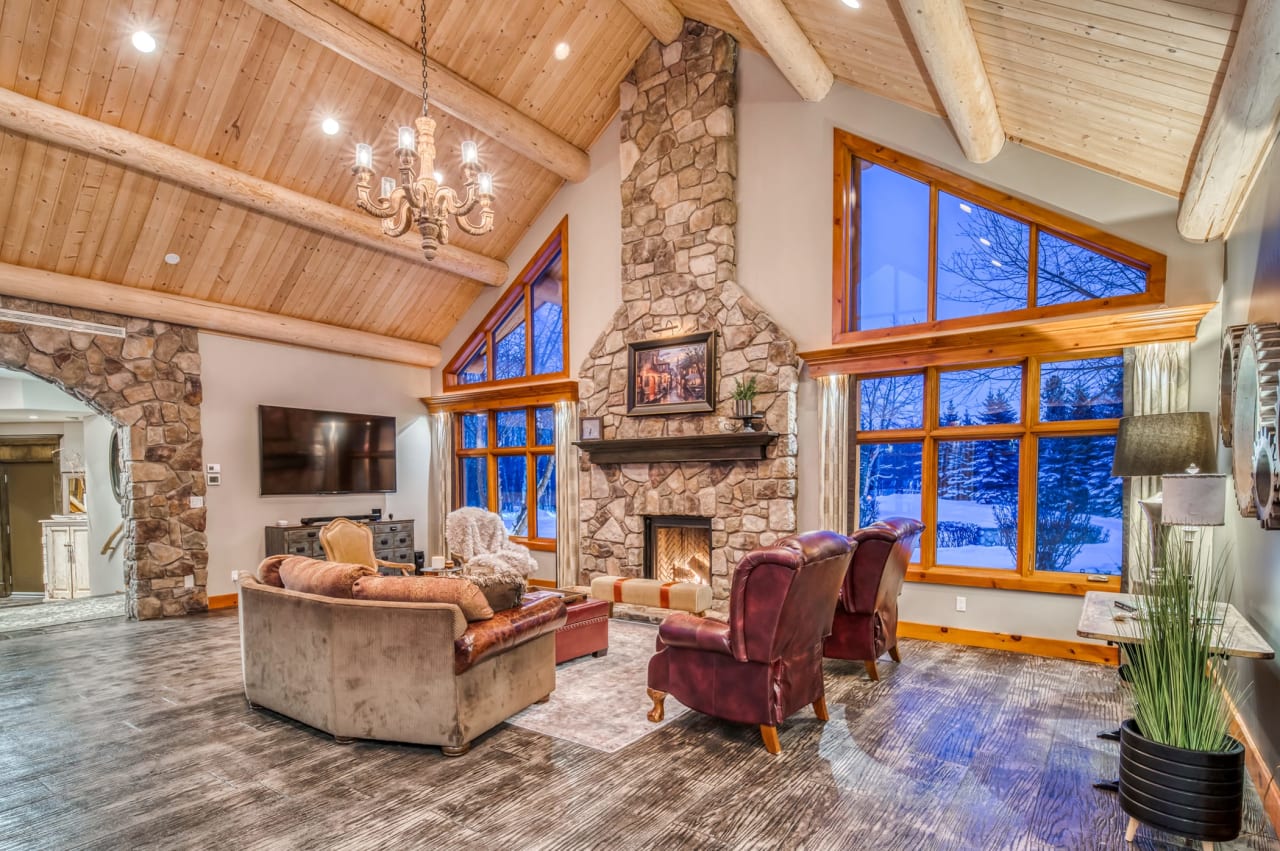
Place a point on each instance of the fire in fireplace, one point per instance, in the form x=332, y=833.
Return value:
x=677, y=548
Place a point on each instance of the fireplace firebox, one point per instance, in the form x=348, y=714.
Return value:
x=677, y=548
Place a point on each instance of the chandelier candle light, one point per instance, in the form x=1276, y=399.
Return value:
x=420, y=198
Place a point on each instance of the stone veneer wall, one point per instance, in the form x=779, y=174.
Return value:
x=150, y=382
x=679, y=276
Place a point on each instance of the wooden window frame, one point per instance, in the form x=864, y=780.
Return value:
x=492, y=452
x=849, y=148
x=1029, y=430
x=522, y=287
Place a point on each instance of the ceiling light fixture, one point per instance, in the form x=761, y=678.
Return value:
x=172, y=259
x=852, y=4
x=420, y=198
x=144, y=41
x=330, y=126
x=562, y=51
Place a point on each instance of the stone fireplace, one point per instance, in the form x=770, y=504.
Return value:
x=679, y=165
x=677, y=548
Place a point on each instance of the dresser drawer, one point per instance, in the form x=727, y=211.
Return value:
x=301, y=536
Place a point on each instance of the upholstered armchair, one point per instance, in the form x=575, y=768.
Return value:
x=352, y=543
x=866, y=620
x=766, y=662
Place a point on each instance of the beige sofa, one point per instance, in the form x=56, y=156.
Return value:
x=404, y=672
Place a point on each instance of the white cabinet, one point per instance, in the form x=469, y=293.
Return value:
x=66, y=557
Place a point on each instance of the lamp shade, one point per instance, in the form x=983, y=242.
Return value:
x=1156, y=444
x=1194, y=500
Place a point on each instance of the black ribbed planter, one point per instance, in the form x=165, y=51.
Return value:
x=1197, y=794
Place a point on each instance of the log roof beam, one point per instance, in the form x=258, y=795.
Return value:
x=944, y=36
x=663, y=21
x=787, y=45
x=65, y=129
x=1241, y=129
x=354, y=38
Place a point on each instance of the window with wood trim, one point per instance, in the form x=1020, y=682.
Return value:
x=919, y=248
x=1008, y=463
x=523, y=337
x=506, y=464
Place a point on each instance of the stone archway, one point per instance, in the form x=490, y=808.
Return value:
x=149, y=383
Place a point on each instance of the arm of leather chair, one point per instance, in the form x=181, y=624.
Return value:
x=507, y=629
x=405, y=569
x=695, y=633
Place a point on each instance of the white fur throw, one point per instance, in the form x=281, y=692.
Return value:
x=480, y=539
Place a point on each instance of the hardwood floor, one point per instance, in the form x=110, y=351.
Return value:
x=131, y=735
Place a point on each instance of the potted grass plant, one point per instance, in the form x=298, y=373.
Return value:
x=744, y=394
x=1180, y=769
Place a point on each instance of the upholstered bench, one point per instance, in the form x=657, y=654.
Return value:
x=685, y=596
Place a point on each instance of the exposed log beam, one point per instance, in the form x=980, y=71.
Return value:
x=945, y=38
x=361, y=42
x=787, y=45
x=21, y=282
x=71, y=130
x=1241, y=129
x=659, y=17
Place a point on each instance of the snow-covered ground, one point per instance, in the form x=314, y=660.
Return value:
x=1093, y=558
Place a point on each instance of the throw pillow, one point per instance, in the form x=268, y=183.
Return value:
x=425, y=589
x=502, y=592
x=269, y=570
x=326, y=578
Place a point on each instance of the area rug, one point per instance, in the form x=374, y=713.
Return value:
x=615, y=682
x=55, y=612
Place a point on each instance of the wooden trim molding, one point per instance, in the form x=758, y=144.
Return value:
x=1260, y=771
x=1075, y=584
x=224, y=601
x=135, y=152
x=541, y=583
x=509, y=396
x=21, y=282
x=931, y=346
x=1053, y=648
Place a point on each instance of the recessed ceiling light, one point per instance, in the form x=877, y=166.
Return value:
x=966, y=208
x=172, y=259
x=330, y=126
x=562, y=51
x=144, y=41
x=852, y=4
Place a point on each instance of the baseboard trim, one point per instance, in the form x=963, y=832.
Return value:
x=1080, y=651
x=224, y=601
x=541, y=583
x=1264, y=778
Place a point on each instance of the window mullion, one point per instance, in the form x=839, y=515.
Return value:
x=929, y=472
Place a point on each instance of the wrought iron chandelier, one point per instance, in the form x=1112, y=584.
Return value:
x=420, y=198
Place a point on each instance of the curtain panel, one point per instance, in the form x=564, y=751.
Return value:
x=567, y=531
x=833, y=442
x=440, y=488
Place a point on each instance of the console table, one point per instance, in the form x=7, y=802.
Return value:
x=392, y=540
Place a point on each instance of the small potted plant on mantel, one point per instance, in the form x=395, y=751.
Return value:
x=744, y=394
x=1180, y=770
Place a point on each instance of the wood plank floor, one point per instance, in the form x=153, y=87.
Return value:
x=137, y=735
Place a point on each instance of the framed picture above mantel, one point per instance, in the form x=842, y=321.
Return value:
x=675, y=375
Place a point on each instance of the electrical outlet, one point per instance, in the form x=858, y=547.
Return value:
x=235, y=577
x=962, y=604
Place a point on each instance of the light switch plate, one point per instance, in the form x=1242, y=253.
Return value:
x=197, y=502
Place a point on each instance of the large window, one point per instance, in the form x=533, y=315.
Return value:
x=919, y=248
x=506, y=464
x=1008, y=464
x=500, y=386
x=522, y=338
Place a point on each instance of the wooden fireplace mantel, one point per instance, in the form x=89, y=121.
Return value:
x=721, y=446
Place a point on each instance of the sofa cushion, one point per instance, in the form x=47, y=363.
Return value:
x=269, y=570
x=507, y=629
x=425, y=589
x=502, y=592
x=326, y=578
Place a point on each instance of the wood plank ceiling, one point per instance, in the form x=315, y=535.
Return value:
x=1123, y=86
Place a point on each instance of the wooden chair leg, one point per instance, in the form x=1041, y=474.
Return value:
x=871, y=670
x=820, y=709
x=894, y=654
x=770, y=735
x=657, y=713
x=1131, y=831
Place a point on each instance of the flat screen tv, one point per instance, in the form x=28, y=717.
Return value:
x=325, y=452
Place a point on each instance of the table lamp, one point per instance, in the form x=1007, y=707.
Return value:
x=1164, y=445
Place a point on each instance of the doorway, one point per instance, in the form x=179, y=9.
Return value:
x=30, y=491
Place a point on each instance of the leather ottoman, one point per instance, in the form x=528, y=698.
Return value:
x=585, y=631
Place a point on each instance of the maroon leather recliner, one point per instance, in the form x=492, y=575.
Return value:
x=766, y=662
x=866, y=621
